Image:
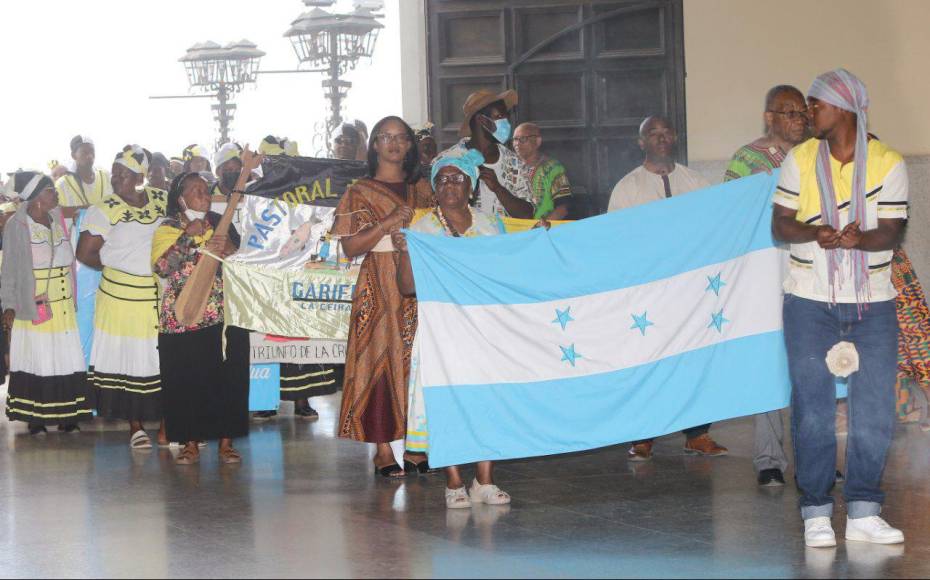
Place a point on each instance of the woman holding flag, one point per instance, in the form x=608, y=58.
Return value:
x=455, y=179
x=374, y=398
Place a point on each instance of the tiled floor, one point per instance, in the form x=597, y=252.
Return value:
x=304, y=504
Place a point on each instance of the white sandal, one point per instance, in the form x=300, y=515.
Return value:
x=489, y=494
x=457, y=498
x=140, y=441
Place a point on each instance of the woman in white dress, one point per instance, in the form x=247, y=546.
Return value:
x=48, y=382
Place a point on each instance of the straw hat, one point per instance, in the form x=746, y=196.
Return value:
x=481, y=99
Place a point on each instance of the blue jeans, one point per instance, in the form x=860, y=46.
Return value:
x=811, y=329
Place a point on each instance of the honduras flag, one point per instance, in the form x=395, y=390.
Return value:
x=612, y=329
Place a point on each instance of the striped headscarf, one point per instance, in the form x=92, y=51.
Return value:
x=25, y=185
x=844, y=90
x=134, y=158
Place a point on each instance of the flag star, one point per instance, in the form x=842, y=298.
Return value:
x=717, y=321
x=563, y=317
x=641, y=322
x=715, y=283
x=569, y=354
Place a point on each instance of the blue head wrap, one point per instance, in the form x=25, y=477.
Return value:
x=466, y=160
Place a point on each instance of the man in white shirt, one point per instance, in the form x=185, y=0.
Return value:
x=659, y=177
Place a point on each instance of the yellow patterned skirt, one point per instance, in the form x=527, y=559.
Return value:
x=124, y=368
x=48, y=381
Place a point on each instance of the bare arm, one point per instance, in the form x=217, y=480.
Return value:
x=515, y=207
x=887, y=236
x=363, y=241
x=786, y=228
x=88, y=250
x=405, y=282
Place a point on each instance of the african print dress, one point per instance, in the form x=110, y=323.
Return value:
x=124, y=368
x=48, y=382
x=913, y=385
x=374, y=397
x=417, y=435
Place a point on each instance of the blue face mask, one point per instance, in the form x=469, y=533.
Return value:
x=501, y=130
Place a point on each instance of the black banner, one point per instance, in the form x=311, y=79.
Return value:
x=306, y=180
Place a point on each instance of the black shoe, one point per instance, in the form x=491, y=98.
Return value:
x=771, y=478
x=37, y=430
x=71, y=428
x=839, y=476
x=306, y=412
x=264, y=415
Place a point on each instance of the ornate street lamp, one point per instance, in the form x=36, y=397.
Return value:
x=220, y=72
x=334, y=44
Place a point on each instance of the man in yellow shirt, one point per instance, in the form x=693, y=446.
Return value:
x=85, y=186
x=841, y=203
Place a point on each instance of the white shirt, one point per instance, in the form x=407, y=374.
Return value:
x=642, y=186
x=127, y=242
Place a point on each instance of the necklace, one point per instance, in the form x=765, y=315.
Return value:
x=445, y=223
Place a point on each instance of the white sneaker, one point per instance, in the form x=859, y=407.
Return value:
x=818, y=533
x=872, y=529
x=489, y=494
x=457, y=498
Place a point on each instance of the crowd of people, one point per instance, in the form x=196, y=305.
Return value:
x=840, y=208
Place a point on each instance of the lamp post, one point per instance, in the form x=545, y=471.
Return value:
x=334, y=44
x=221, y=72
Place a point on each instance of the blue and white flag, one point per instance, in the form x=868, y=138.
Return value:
x=616, y=328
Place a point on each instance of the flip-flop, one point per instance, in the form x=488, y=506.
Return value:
x=140, y=441
x=392, y=471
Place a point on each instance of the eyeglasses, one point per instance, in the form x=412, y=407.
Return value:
x=457, y=178
x=792, y=115
x=345, y=141
x=386, y=138
x=524, y=139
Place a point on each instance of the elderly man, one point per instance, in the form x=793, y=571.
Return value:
x=658, y=178
x=85, y=186
x=786, y=125
x=503, y=187
x=548, y=182
x=841, y=203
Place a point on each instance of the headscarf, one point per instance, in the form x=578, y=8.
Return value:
x=290, y=148
x=842, y=89
x=426, y=131
x=192, y=151
x=466, y=160
x=134, y=158
x=270, y=145
x=226, y=153
x=26, y=185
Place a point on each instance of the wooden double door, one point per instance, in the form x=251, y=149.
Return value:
x=587, y=71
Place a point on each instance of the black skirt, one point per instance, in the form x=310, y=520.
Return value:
x=205, y=397
x=309, y=380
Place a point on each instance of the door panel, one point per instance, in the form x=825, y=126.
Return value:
x=588, y=72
